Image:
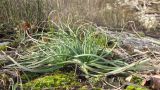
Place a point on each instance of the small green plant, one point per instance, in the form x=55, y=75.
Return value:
x=135, y=87
x=79, y=46
x=65, y=47
x=3, y=47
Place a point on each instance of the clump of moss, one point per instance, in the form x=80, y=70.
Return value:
x=3, y=48
x=142, y=34
x=135, y=87
x=57, y=80
x=137, y=80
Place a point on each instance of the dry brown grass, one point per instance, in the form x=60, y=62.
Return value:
x=110, y=13
x=102, y=12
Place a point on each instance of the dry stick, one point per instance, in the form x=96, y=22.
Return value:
x=154, y=41
x=26, y=32
x=123, y=54
x=134, y=30
x=111, y=85
x=122, y=29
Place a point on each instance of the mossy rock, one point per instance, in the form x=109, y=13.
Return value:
x=56, y=81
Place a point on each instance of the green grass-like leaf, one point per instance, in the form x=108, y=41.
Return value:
x=83, y=47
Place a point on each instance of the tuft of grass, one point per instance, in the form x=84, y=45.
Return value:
x=86, y=47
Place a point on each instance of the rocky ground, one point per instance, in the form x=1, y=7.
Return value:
x=134, y=47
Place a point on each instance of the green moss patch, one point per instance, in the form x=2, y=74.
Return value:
x=55, y=81
x=135, y=87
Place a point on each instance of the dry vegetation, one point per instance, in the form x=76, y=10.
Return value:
x=113, y=14
x=79, y=35
x=102, y=12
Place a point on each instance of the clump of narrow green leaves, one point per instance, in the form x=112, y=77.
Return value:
x=83, y=46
